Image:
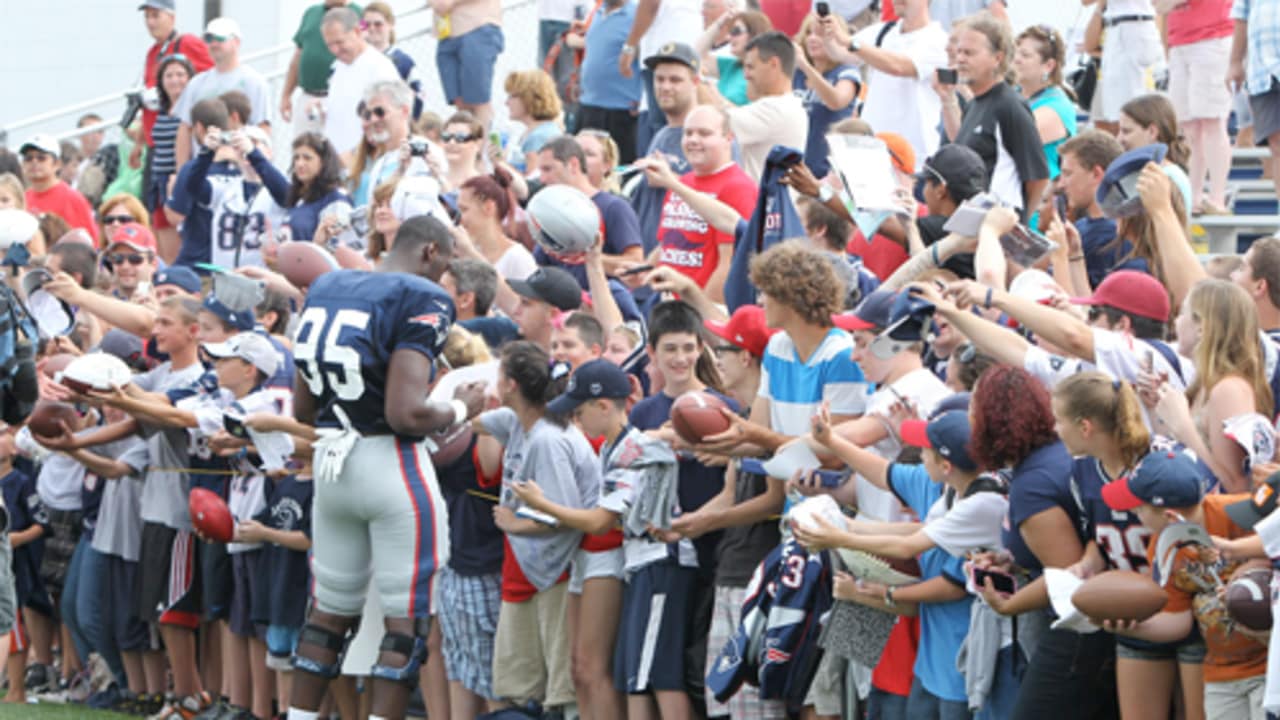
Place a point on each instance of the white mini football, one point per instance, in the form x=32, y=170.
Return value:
x=563, y=220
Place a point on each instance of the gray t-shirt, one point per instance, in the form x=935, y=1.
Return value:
x=60, y=481
x=563, y=464
x=164, y=494
x=211, y=84
x=119, y=529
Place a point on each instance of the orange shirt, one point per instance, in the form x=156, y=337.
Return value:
x=1229, y=655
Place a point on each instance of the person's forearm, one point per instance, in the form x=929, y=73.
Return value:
x=286, y=424
x=182, y=146
x=107, y=434
x=1002, y=344
x=22, y=537
x=915, y=245
x=1163, y=627
x=1032, y=192
x=1240, y=41
x=1066, y=331
x=103, y=467
x=1179, y=264
x=865, y=463
x=156, y=413
x=132, y=318
x=936, y=589
x=900, y=547
x=291, y=539
x=646, y=11
x=952, y=116
x=718, y=215
x=883, y=527
x=934, y=256
x=614, y=264
x=888, y=61
x=832, y=95
x=603, y=306
x=291, y=76
x=1078, y=277
x=990, y=266
x=760, y=508
x=719, y=276
x=273, y=180
x=1033, y=596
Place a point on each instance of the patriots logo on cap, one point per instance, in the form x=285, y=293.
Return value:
x=596, y=388
x=667, y=49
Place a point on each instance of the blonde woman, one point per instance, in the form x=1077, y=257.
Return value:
x=533, y=102
x=602, y=159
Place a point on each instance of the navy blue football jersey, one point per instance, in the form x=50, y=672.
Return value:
x=352, y=323
x=1121, y=538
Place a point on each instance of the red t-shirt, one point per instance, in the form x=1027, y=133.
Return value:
x=67, y=204
x=689, y=244
x=189, y=45
x=1196, y=21
x=786, y=15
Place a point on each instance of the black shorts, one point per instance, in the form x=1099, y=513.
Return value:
x=245, y=589
x=119, y=587
x=650, y=654
x=168, y=577
x=215, y=579
x=65, y=527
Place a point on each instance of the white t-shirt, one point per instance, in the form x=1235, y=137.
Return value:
x=1268, y=529
x=211, y=83
x=923, y=390
x=347, y=84
x=517, y=263
x=972, y=523
x=561, y=10
x=907, y=105
x=769, y=121
x=676, y=21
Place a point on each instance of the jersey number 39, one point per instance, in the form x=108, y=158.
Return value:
x=325, y=363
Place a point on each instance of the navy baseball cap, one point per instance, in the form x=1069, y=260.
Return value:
x=238, y=319
x=948, y=434
x=592, y=380
x=126, y=346
x=873, y=313
x=1118, y=192
x=909, y=321
x=1164, y=478
x=179, y=276
x=958, y=401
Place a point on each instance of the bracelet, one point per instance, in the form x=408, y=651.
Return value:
x=888, y=596
x=628, y=49
x=1076, y=258
x=459, y=411
x=987, y=304
x=933, y=250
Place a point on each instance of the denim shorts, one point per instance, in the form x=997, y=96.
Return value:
x=1187, y=652
x=466, y=64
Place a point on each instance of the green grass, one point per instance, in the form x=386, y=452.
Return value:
x=53, y=712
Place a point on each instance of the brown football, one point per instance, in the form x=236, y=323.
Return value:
x=1119, y=595
x=302, y=262
x=450, y=444
x=47, y=418
x=696, y=414
x=55, y=364
x=1249, y=599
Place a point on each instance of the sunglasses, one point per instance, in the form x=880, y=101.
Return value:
x=378, y=112
x=35, y=157
x=458, y=137
x=117, y=219
x=737, y=30
x=210, y=37
x=131, y=258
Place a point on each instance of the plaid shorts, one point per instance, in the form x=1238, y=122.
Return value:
x=65, y=528
x=746, y=704
x=468, y=622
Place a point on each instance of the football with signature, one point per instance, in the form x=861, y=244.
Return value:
x=696, y=414
x=1119, y=595
x=1249, y=599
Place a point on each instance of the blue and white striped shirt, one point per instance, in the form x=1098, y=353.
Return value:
x=1263, y=61
x=796, y=389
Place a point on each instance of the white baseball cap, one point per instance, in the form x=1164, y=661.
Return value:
x=223, y=27
x=251, y=347
x=43, y=142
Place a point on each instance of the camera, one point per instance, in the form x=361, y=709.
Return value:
x=823, y=9
x=948, y=76
x=418, y=147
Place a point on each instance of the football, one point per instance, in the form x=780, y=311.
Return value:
x=210, y=515
x=446, y=446
x=1249, y=599
x=1119, y=595
x=563, y=220
x=47, y=418
x=696, y=414
x=302, y=262
x=95, y=371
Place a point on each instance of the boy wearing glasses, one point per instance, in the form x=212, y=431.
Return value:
x=46, y=192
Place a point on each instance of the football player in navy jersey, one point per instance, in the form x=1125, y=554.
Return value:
x=365, y=350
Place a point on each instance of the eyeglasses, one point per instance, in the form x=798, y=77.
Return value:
x=737, y=30
x=378, y=112
x=131, y=258
x=728, y=349
x=117, y=219
x=457, y=137
x=35, y=157
x=210, y=37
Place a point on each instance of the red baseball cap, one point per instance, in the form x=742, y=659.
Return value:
x=745, y=328
x=1132, y=292
x=135, y=235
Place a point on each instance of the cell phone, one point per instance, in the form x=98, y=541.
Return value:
x=823, y=9
x=947, y=76
x=235, y=426
x=636, y=270
x=1002, y=582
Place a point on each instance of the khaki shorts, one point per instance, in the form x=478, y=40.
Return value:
x=1196, y=73
x=1235, y=700
x=1129, y=50
x=531, y=650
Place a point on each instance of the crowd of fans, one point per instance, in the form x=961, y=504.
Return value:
x=949, y=427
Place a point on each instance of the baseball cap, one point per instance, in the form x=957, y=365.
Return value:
x=947, y=433
x=872, y=313
x=418, y=195
x=1133, y=292
x=745, y=328
x=551, y=285
x=16, y=227
x=238, y=319
x=158, y=5
x=179, y=276
x=1164, y=478
x=43, y=142
x=251, y=347
x=592, y=380
x=674, y=52
x=909, y=321
x=1262, y=503
x=223, y=27
x=124, y=345
x=900, y=151
x=960, y=167
x=1117, y=194
x=135, y=235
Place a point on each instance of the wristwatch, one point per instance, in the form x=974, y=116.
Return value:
x=854, y=45
x=888, y=596
x=628, y=49
x=825, y=193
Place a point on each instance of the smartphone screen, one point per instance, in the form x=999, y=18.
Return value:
x=1002, y=582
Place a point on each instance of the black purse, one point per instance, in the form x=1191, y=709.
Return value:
x=1084, y=81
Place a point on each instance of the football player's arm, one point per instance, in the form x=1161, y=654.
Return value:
x=304, y=404
x=408, y=410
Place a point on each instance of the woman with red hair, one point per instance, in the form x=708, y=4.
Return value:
x=1012, y=421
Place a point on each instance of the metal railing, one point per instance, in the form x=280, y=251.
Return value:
x=414, y=35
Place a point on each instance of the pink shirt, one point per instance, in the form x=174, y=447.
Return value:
x=1197, y=20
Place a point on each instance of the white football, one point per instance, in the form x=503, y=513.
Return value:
x=563, y=220
x=96, y=371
